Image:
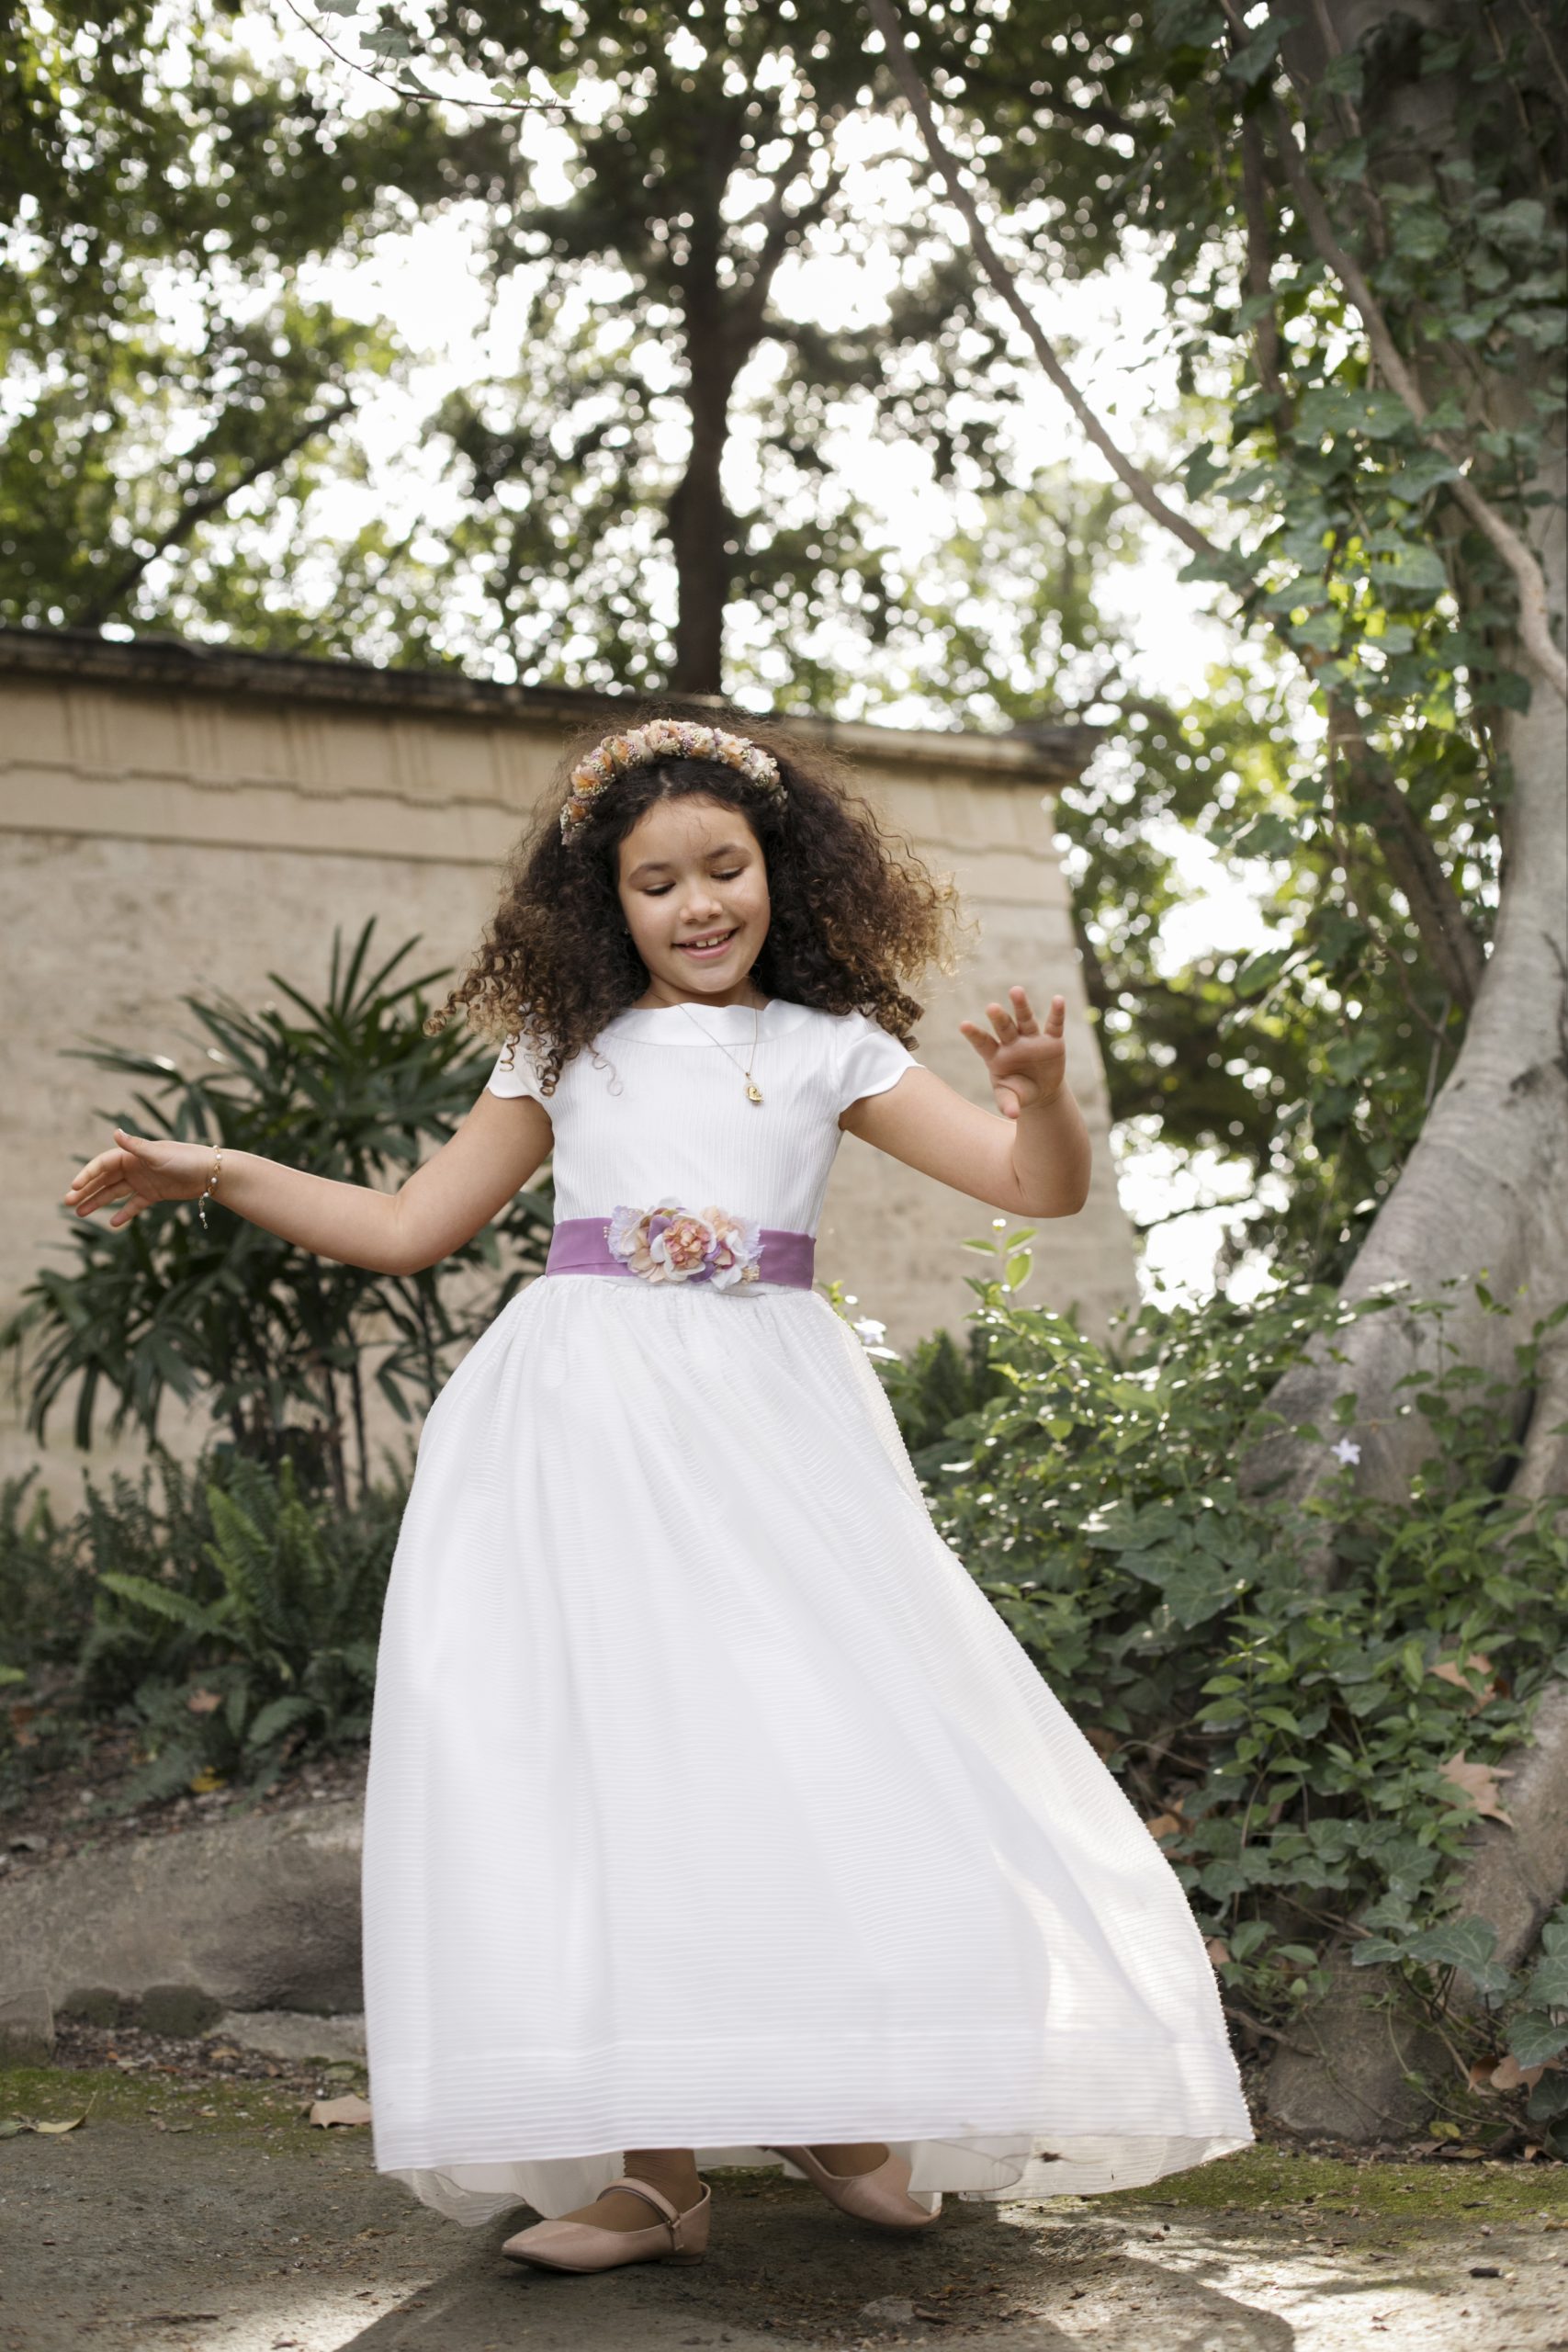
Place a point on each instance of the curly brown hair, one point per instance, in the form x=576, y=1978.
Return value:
x=856, y=912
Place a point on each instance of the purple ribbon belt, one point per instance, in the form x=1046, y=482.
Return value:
x=673, y=1245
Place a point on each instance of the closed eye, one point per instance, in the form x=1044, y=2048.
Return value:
x=663, y=886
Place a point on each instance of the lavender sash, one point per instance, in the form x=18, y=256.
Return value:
x=578, y=1246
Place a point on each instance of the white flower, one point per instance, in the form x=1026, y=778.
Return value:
x=873, y=1336
x=1347, y=1450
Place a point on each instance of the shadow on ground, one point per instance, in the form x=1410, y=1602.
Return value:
x=214, y=2218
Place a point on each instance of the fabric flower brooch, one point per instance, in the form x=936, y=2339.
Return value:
x=672, y=1244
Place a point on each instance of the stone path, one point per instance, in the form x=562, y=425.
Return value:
x=215, y=2232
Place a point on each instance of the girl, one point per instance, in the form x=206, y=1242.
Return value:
x=708, y=1796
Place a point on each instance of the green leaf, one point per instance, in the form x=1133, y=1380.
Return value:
x=1193, y=24
x=1202, y=471
x=1290, y=595
x=278, y=1716
x=1320, y=632
x=1212, y=563
x=1548, y=1984
x=1420, y=232
x=1346, y=164
x=1375, y=1951
x=1548, y=2100
x=1535, y=2041
x=1266, y=836
x=1249, y=65
x=1262, y=970
x=1421, y=473
x=164, y=1601
x=1193, y=1596
x=1523, y=222
x=1416, y=569
x=1222, y=1879
x=1381, y=416
x=1342, y=76
x=1457, y=1943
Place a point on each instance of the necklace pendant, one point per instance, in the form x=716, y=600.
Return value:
x=753, y=1092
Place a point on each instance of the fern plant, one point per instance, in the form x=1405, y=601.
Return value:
x=274, y=1635
x=46, y=1584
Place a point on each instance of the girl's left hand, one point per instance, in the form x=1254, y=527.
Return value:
x=1027, y=1065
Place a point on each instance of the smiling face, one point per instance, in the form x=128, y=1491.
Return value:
x=692, y=871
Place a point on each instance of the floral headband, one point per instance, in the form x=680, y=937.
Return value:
x=663, y=739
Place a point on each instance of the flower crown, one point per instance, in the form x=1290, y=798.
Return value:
x=663, y=739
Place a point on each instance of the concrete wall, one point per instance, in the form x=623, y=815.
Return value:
x=174, y=821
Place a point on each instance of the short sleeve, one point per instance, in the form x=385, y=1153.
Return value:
x=870, y=1061
x=515, y=1072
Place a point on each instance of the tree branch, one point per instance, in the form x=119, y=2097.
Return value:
x=885, y=16
x=414, y=88
x=103, y=604
x=1544, y=37
x=1435, y=907
x=1535, y=608
x=781, y=228
x=1259, y=260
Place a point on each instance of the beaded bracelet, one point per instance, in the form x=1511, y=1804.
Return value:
x=211, y=1184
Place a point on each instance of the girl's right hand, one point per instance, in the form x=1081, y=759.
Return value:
x=137, y=1172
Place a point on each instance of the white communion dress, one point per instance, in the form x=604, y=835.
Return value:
x=711, y=1804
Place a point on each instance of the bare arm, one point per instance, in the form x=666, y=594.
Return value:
x=496, y=1148
x=1031, y=1155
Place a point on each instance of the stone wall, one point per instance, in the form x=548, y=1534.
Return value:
x=175, y=819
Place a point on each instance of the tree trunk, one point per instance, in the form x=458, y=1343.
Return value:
x=1482, y=1196
x=699, y=523
x=1483, y=1193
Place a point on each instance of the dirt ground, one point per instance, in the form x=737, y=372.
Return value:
x=197, y=2209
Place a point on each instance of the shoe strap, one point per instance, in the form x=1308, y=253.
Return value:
x=669, y=2213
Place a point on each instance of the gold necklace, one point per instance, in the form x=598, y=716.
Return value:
x=753, y=1092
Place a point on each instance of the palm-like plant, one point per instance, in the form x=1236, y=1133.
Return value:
x=261, y=1331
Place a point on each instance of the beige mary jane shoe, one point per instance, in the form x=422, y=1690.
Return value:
x=584, y=2245
x=881, y=2196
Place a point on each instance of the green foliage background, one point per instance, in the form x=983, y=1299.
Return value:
x=179, y=398
x=1289, y=1742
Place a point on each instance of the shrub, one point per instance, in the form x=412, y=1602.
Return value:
x=276, y=1343
x=1311, y=1759
x=230, y=1623
x=46, y=1584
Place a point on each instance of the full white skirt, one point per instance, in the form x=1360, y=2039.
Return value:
x=711, y=1804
